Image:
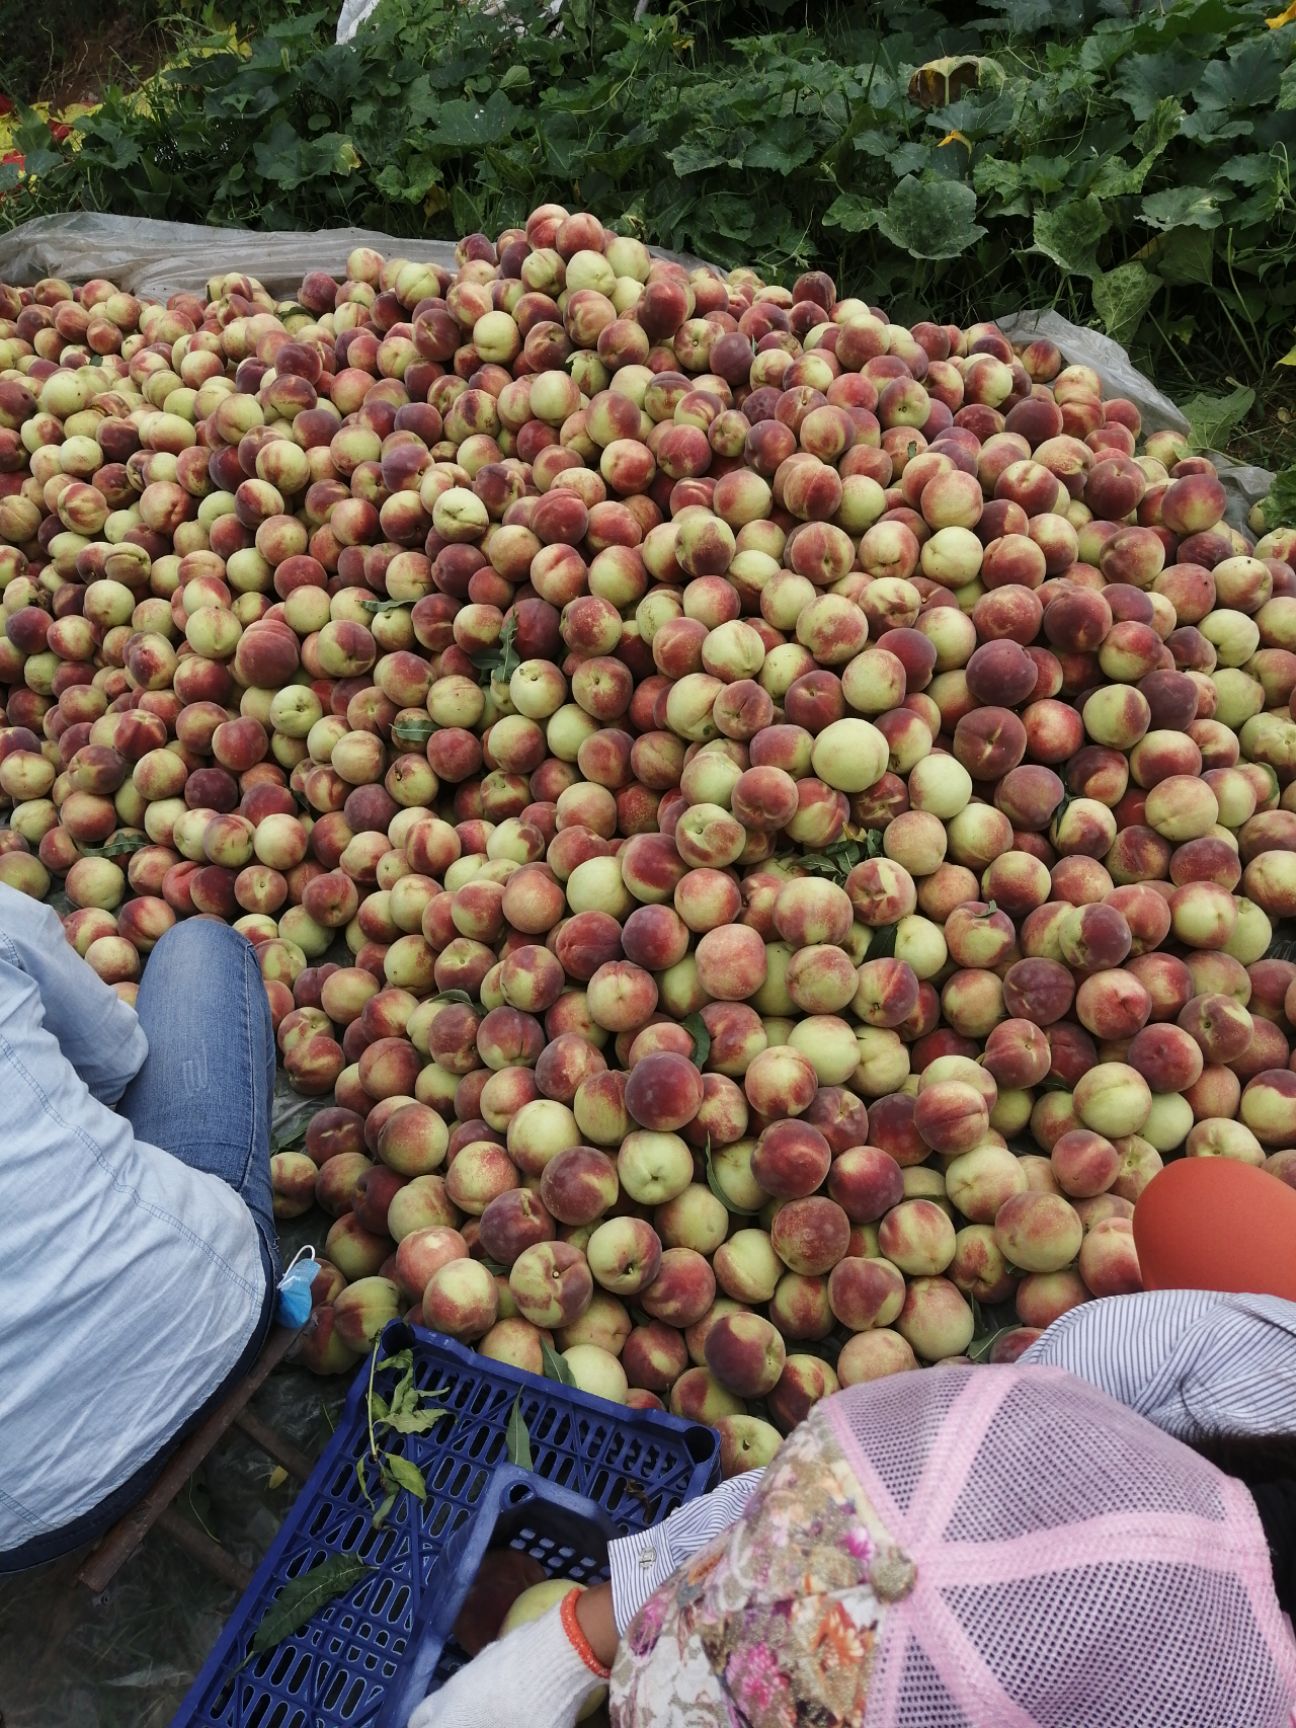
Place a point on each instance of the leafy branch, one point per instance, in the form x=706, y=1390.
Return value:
x=408, y=1410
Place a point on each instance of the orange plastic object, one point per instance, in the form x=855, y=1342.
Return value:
x=1215, y=1224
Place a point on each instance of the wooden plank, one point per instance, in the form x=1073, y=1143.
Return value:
x=294, y=1462
x=209, y=1553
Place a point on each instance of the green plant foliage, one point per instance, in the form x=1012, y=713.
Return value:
x=401, y=1409
x=1111, y=159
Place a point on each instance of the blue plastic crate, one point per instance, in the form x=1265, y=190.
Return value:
x=634, y=1466
x=567, y=1534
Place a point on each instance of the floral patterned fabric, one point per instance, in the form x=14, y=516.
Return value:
x=774, y=1624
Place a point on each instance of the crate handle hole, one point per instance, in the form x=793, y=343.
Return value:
x=701, y=1444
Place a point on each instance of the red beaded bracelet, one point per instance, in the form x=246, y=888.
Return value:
x=579, y=1642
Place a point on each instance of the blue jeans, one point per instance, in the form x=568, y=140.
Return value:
x=204, y=1094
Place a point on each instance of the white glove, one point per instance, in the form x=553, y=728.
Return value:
x=534, y=1678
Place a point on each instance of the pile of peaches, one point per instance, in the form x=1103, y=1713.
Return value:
x=762, y=827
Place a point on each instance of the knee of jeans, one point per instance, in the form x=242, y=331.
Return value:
x=206, y=938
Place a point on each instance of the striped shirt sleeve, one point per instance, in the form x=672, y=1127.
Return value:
x=1191, y=1361
x=96, y=1031
x=1118, y=1343
x=642, y=1563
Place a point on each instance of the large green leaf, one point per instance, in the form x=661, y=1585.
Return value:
x=465, y=125
x=1248, y=77
x=912, y=159
x=784, y=147
x=931, y=218
x=1253, y=169
x=1117, y=178
x=1187, y=255
x=690, y=158
x=1028, y=17
x=1209, y=128
x=289, y=160
x=1017, y=187
x=730, y=217
x=1263, y=204
x=1004, y=185
x=1182, y=207
x=980, y=115
x=1122, y=296
x=1267, y=176
x=1212, y=419
x=873, y=141
x=1161, y=125
x=851, y=213
x=32, y=138
x=1144, y=81
x=1069, y=234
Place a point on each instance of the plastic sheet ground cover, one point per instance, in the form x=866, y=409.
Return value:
x=128, y=1660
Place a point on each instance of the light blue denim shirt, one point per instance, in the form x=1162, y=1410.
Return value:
x=129, y=1283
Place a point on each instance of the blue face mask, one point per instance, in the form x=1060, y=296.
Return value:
x=293, y=1292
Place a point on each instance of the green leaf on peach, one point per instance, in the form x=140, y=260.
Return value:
x=695, y=1026
x=556, y=1366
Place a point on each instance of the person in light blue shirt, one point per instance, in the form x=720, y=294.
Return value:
x=138, y=1252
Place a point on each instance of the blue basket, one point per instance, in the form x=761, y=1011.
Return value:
x=567, y=1534
x=634, y=1467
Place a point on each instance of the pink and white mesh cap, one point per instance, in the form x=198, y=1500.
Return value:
x=1057, y=1562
